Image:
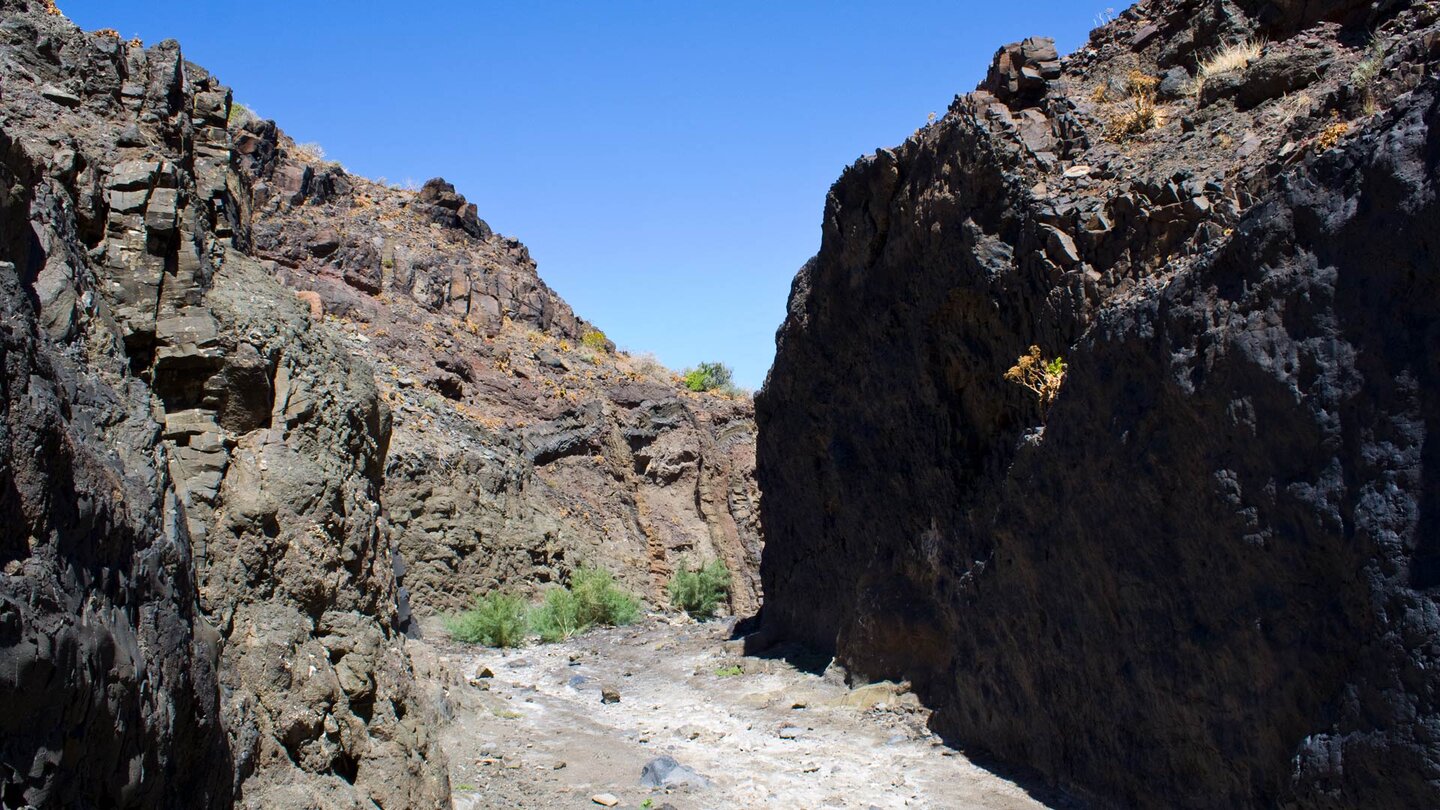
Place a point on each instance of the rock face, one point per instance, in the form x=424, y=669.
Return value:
x=197, y=604
x=216, y=511
x=524, y=444
x=1207, y=577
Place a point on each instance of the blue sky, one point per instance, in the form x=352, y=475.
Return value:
x=665, y=161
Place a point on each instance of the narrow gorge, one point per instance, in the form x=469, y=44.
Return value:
x=269, y=427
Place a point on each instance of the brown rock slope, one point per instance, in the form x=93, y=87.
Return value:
x=1207, y=577
x=197, y=602
x=524, y=443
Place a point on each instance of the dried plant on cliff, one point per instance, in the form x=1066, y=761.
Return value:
x=1232, y=57
x=1367, y=72
x=309, y=152
x=1043, y=377
x=1138, y=112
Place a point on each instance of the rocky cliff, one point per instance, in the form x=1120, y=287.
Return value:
x=194, y=553
x=251, y=403
x=524, y=443
x=1207, y=576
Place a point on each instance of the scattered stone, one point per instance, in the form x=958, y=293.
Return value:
x=485, y=672
x=1021, y=71
x=790, y=733
x=314, y=301
x=1174, y=85
x=665, y=771
x=605, y=799
x=60, y=95
x=609, y=694
x=1144, y=36
x=1060, y=247
x=324, y=243
x=130, y=136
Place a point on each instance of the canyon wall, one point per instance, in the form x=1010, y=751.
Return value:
x=255, y=409
x=1206, y=577
x=524, y=444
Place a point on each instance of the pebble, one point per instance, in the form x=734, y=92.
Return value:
x=789, y=733
x=605, y=799
x=609, y=694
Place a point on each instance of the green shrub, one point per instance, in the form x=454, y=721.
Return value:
x=700, y=591
x=601, y=601
x=592, y=598
x=730, y=671
x=240, y=115
x=595, y=339
x=558, y=617
x=497, y=620
x=710, y=377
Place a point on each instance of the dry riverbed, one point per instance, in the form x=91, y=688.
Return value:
x=531, y=728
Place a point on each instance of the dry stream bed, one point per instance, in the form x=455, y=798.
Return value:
x=531, y=728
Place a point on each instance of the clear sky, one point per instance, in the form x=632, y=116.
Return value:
x=666, y=161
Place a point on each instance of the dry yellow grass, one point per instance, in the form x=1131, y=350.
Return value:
x=1139, y=113
x=1234, y=57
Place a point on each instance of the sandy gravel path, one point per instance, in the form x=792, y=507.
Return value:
x=536, y=733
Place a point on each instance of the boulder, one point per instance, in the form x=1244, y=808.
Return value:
x=665, y=771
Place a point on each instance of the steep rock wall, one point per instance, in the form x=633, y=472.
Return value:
x=524, y=443
x=193, y=548
x=1205, y=577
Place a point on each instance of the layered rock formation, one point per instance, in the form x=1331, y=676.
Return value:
x=524, y=444
x=1206, y=578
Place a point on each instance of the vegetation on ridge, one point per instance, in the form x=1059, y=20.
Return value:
x=711, y=377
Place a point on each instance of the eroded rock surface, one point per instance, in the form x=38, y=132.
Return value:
x=1206, y=578
x=198, y=601
x=521, y=449
x=256, y=407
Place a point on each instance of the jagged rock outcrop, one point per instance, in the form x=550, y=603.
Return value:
x=524, y=444
x=198, y=600
x=1206, y=578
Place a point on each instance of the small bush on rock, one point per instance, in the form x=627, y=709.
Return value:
x=558, y=617
x=700, y=591
x=1139, y=113
x=601, y=600
x=595, y=339
x=497, y=620
x=712, y=377
x=1043, y=377
x=240, y=115
x=709, y=377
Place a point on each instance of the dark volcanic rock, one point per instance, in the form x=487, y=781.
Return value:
x=197, y=604
x=1209, y=579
